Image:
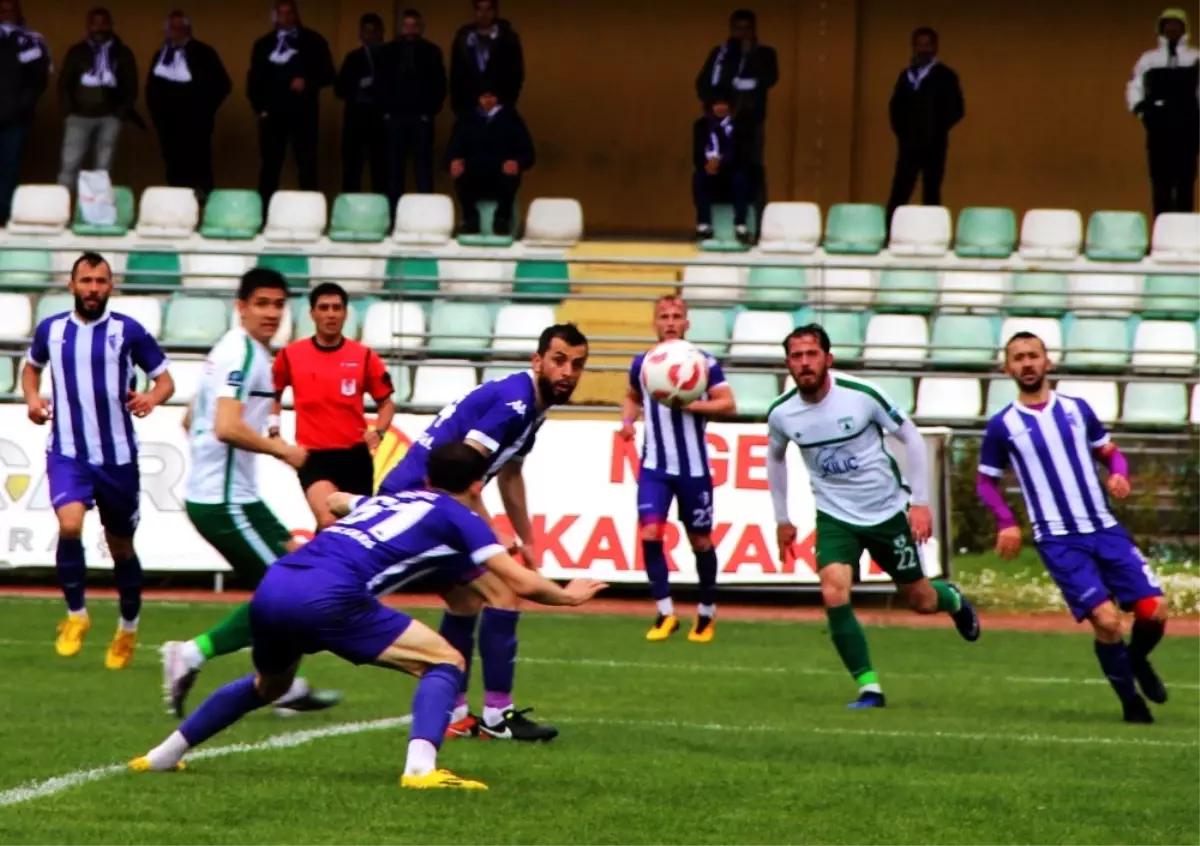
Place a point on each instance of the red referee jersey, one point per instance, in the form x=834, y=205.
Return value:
x=328, y=384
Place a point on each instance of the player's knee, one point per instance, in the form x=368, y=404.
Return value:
x=700, y=543
x=652, y=532
x=271, y=688
x=834, y=594
x=121, y=549
x=922, y=598
x=70, y=523
x=453, y=656
x=1106, y=621
x=1150, y=609
x=325, y=519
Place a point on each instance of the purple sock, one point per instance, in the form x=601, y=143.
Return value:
x=220, y=710
x=498, y=651
x=706, y=572
x=656, y=569
x=72, y=571
x=1114, y=660
x=432, y=703
x=459, y=630
x=128, y=576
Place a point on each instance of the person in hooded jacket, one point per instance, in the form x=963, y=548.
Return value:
x=24, y=70
x=487, y=49
x=186, y=86
x=1165, y=93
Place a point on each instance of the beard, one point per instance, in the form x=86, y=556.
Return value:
x=552, y=395
x=1031, y=387
x=90, y=312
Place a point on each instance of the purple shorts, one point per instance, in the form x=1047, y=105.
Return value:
x=114, y=489
x=693, y=495
x=1090, y=569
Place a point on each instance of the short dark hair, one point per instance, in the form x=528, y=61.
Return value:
x=1023, y=336
x=100, y=10
x=370, y=18
x=327, y=289
x=455, y=466
x=91, y=259
x=495, y=4
x=925, y=30
x=568, y=332
x=808, y=330
x=411, y=13
x=258, y=278
x=744, y=15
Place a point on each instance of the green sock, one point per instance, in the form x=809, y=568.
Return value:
x=948, y=598
x=851, y=643
x=229, y=635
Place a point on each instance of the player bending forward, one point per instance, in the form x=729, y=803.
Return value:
x=839, y=423
x=1053, y=442
x=675, y=467
x=320, y=598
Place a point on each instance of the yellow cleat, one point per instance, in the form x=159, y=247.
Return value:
x=440, y=779
x=143, y=765
x=70, y=635
x=120, y=650
x=665, y=626
x=704, y=629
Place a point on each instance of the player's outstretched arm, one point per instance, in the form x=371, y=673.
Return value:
x=230, y=428
x=532, y=585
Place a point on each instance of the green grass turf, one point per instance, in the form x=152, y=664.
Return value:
x=1015, y=739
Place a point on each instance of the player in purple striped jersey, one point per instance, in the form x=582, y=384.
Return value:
x=675, y=467
x=91, y=457
x=1053, y=442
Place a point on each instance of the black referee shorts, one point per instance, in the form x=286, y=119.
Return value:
x=351, y=470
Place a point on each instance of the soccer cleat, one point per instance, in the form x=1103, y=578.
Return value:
x=313, y=700
x=516, y=726
x=704, y=629
x=143, y=765
x=664, y=626
x=1152, y=686
x=1137, y=711
x=120, y=650
x=868, y=699
x=468, y=726
x=965, y=618
x=178, y=677
x=440, y=779
x=70, y=635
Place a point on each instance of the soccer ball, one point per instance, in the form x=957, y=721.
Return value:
x=675, y=370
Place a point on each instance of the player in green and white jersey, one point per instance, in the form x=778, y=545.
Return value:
x=225, y=424
x=863, y=502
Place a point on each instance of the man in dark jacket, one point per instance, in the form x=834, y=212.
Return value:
x=186, y=86
x=721, y=171
x=489, y=49
x=362, y=123
x=288, y=69
x=98, y=86
x=926, y=104
x=488, y=151
x=24, y=68
x=412, y=85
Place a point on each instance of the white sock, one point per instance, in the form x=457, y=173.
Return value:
x=81, y=614
x=129, y=625
x=665, y=606
x=422, y=758
x=298, y=690
x=459, y=713
x=870, y=688
x=167, y=754
x=192, y=656
x=493, y=716
x=706, y=610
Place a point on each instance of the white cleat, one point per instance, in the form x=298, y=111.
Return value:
x=178, y=677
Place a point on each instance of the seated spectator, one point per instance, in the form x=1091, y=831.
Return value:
x=488, y=151
x=722, y=172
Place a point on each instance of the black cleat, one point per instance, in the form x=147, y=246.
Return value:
x=312, y=700
x=965, y=618
x=516, y=726
x=703, y=232
x=1152, y=686
x=1137, y=711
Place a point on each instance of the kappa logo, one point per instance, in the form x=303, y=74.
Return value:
x=518, y=406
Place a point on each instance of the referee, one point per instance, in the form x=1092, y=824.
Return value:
x=328, y=374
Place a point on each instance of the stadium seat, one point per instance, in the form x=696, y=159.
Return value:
x=896, y=339
x=296, y=217
x=51, y=304
x=1051, y=234
x=553, y=222
x=545, y=280
x=518, y=328
x=293, y=266
x=359, y=218
x=123, y=198
x=1047, y=328
x=394, y=326
x=844, y=328
x=26, y=267
x=920, y=231
x=302, y=322
x=753, y=392
x=153, y=269
x=1194, y=416
x=1155, y=404
x=1176, y=297
x=283, y=335
x=477, y=278
x=401, y=386
x=1097, y=343
x=713, y=283
x=1038, y=294
x=1116, y=236
x=1101, y=396
x=963, y=340
x=709, y=329
x=187, y=374
x=855, y=229
x=213, y=270
x=145, y=310
x=16, y=317
x=1165, y=345
x=757, y=334
x=168, y=213
x=1104, y=293
x=232, y=215
x=773, y=288
x=907, y=291
x=1000, y=392
x=487, y=235
x=846, y=286
x=724, y=238
x=975, y=290
x=8, y=380
x=199, y=321
x=426, y=219
x=414, y=276
x=438, y=385
x=986, y=233
x=948, y=398
x=499, y=371
x=356, y=273
x=790, y=228
x=1176, y=238
x=40, y=210
x=459, y=328
x=899, y=389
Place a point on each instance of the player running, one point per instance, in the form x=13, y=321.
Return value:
x=1053, y=442
x=92, y=453
x=320, y=598
x=500, y=419
x=225, y=425
x=862, y=500
x=675, y=467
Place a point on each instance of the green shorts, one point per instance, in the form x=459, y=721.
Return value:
x=249, y=536
x=890, y=544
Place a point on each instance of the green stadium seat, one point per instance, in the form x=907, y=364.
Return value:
x=710, y=329
x=1155, y=404
x=458, y=329
x=1000, y=392
x=26, y=267
x=775, y=288
x=401, y=386
x=899, y=389
x=487, y=236
x=846, y=329
x=1039, y=294
x=1100, y=343
x=7, y=376
x=411, y=275
x=1117, y=236
x=907, y=291
x=724, y=238
x=123, y=197
x=50, y=304
x=855, y=229
x=154, y=268
x=293, y=266
x=302, y=322
x=753, y=392
x=232, y=215
x=199, y=321
x=984, y=232
x=1169, y=297
x=963, y=341
x=362, y=218
x=542, y=281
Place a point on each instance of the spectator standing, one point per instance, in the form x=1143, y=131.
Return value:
x=412, y=85
x=488, y=151
x=926, y=104
x=98, y=87
x=288, y=69
x=24, y=69
x=363, y=128
x=1164, y=93
x=487, y=49
x=186, y=86
x=721, y=171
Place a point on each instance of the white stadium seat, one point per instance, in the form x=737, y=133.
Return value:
x=896, y=338
x=948, y=398
x=394, y=326
x=476, y=277
x=1101, y=396
x=214, y=270
x=167, y=213
x=283, y=335
x=354, y=273
x=847, y=286
x=186, y=374
x=296, y=217
x=920, y=231
x=758, y=334
x=40, y=210
x=1001, y=390
x=970, y=289
x=1054, y=234
x=16, y=317
x=1049, y=329
x=1194, y=417
x=519, y=326
x=145, y=310
x=1165, y=345
x=1108, y=294
x=556, y=222
x=1176, y=238
x=1155, y=403
x=713, y=282
x=441, y=384
x=424, y=219
x=790, y=228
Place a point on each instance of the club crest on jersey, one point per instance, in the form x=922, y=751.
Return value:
x=349, y=387
x=114, y=343
x=846, y=424
x=235, y=378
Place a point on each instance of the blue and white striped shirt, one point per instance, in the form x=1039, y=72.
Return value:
x=1051, y=452
x=91, y=370
x=673, y=440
